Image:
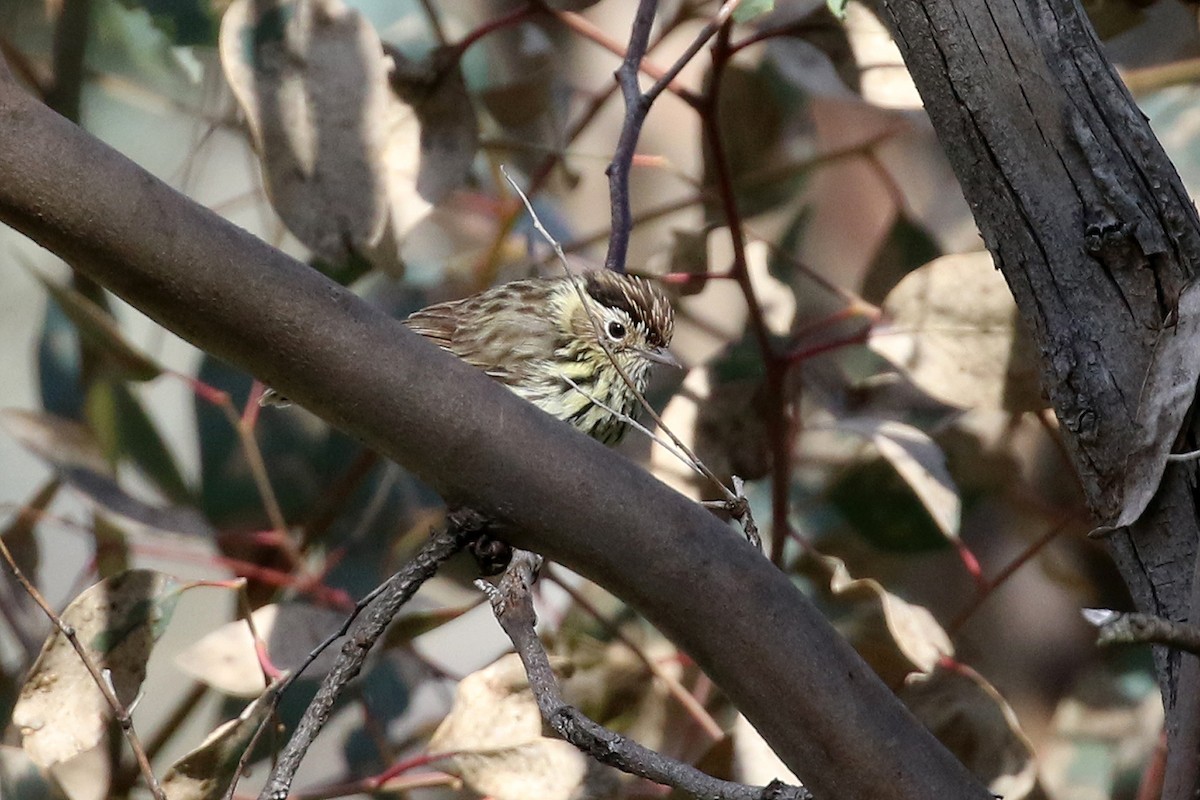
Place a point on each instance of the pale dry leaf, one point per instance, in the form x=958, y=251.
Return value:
x=312, y=79
x=976, y=724
x=756, y=764
x=1163, y=405
x=432, y=138
x=884, y=77
x=206, y=772
x=952, y=326
x=919, y=461
x=87, y=776
x=60, y=710
x=226, y=658
x=895, y=637
x=21, y=779
x=493, y=738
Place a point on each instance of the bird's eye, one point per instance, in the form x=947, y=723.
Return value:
x=616, y=330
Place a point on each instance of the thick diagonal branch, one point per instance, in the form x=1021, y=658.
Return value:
x=800, y=684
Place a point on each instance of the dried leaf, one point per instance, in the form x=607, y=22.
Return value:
x=494, y=735
x=89, y=775
x=894, y=636
x=312, y=81
x=755, y=762
x=887, y=82
x=60, y=711
x=350, y=166
x=226, y=660
x=206, y=772
x=976, y=724
x=953, y=327
x=1165, y=400
x=920, y=461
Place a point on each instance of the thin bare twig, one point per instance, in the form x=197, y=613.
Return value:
x=99, y=677
x=384, y=602
x=513, y=608
x=1134, y=628
x=778, y=421
x=694, y=708
x=637, y=106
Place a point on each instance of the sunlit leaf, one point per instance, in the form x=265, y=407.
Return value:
x=206, y=772
x=226, y=659
x=895, y=637
x=756, y=763
x=750, y=10
x=952, y=326
x=975, y=723
x=1102, y=733
x=357, y=144
x=887, y=82
x=61, y=711
x=493, y=734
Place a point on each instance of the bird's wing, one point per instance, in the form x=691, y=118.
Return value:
x=504, y=346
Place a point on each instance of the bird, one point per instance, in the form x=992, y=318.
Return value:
x=554, y=341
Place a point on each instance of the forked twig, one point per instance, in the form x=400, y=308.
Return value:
x=513, y=607
x=101, y=677
x=390, y=597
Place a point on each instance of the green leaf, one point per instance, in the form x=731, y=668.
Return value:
x=753, y=9
x=59, y=362
x=98, y=328
x=127, y=432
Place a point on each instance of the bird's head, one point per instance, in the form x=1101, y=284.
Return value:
x=634, y=318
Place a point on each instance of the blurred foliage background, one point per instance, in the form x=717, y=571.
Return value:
x=854, y=357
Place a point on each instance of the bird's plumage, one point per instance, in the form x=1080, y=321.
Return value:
x=541, y=338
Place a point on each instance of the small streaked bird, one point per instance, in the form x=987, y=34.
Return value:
x=542, y=339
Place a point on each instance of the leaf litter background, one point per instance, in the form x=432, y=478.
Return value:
x=922, y=464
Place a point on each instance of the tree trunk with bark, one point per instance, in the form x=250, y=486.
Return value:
x=1091, y=226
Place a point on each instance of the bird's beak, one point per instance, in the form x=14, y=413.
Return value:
x=661, y=355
